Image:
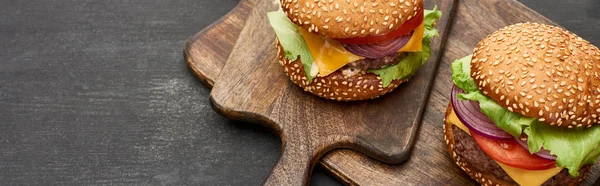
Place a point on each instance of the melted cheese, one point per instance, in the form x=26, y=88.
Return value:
x=453, y=119
x=521, y=176
x=330, y=55
x=530, y=177
x=415, y=44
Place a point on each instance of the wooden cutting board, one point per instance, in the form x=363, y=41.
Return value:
x=208, y=51
x=252, y=87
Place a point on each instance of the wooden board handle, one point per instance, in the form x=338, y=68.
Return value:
x=293, y=167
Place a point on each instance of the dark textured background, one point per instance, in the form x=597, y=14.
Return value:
x=97, y=92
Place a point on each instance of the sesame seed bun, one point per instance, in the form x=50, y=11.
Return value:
x=540, y=71
x=472, y=160
x=350, y=18
x=335, y=86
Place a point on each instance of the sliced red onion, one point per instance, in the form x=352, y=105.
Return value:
x=543, y=153
x=470, y=114
x=379, y=50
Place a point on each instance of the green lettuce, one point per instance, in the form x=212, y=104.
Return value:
x=430, y=16
x=409, y=65
x=291, y=40
x=461, y=70
x=512, y=123
x=572, y=147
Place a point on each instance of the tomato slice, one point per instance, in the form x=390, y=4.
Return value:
x=511, y=153
x=406, y=28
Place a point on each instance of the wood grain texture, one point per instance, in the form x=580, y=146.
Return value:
x=252, y=87
x=430, y=164
x=216, y=42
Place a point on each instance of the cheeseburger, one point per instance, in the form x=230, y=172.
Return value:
x=352, y=49
x=524, y=108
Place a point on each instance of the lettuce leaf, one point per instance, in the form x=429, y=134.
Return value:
x=409, y=65
x=406, y=67
x=291, y=40
x=430, y=16
x=510, y=122
x=573, y=147
x=461, y=70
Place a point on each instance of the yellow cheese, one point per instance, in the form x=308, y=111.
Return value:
x=330, y=55
x=521, y=176
x=415, y=44
x=453, y=119
x=530, y=177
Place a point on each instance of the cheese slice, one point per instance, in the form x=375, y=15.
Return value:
x=415, y=44
x=521, y=176
x=453, y=119
x=330, y=55
x=530, y=177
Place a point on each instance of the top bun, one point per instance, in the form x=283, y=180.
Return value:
x=540, y=71
x=350, y=18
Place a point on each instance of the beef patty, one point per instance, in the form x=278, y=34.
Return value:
x=365, y=64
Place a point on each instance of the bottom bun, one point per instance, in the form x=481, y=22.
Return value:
x=335, y=86
x=480, y=167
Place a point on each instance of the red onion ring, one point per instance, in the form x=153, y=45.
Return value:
x=543, y=153
x=469, y=113
x=379, y=50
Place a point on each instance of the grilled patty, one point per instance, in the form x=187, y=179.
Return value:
x=365, y=64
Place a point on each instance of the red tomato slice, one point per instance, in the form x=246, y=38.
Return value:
x=511, y=153
x=406, y=28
